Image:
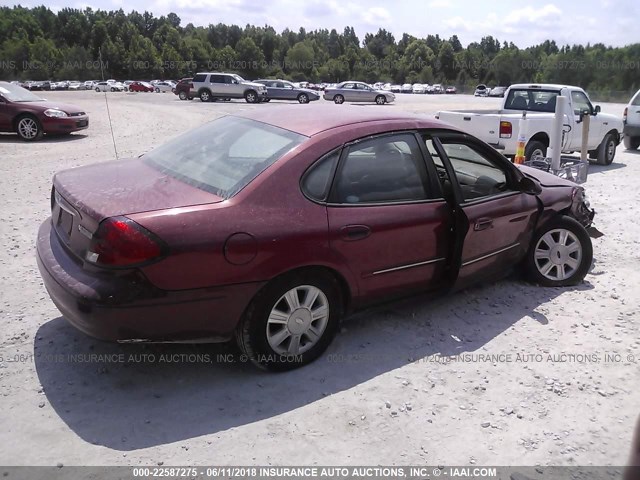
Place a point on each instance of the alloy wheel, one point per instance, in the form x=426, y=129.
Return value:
x=28, y=128
x=558, y=254
x=298, y=320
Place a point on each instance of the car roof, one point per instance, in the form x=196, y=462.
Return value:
x=542, y=86
x=317, y=119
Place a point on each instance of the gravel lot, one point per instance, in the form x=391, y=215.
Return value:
x=381, y=395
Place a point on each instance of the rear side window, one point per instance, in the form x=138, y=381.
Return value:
x=636, y=99
x=317, y=181
x=199, y=77
x=216, y=79
x=223, y=156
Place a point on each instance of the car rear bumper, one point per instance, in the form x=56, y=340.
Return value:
x=65, y=125
x=127, y=307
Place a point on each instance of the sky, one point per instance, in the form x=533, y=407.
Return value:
x=523, y=22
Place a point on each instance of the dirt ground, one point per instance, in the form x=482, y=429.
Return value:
x=550, y=376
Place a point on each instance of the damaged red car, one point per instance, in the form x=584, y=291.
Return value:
x=269, y=227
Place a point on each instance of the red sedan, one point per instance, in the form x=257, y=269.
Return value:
x=271, y=226
x=30, y=116
x=140, y=87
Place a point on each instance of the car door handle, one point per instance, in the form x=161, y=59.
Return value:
x=354, y=232
x=483, y=224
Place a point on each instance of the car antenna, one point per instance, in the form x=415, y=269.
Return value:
x=106, y=101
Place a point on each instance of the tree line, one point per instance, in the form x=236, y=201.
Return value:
x=38, y=44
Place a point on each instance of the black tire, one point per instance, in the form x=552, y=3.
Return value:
x=607, y=150
x=583, y=258
x=251, y=96
x=380, y=100
x=303, y=98
x=126, y=89
x=28, y=128
x=205, y=96
x=338, y=99
x=157, y=90
x=631, y=143
x=251, y=333
x=98, y=89
x=533, y=149
x=113, y=89
x=183, y=95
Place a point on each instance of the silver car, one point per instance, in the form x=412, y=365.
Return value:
x=357, y=92
x=284, y=90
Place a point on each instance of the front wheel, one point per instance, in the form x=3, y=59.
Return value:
x=113, y=89
x=98, y=89
x=560, y=253
x=631, y=143
x=251, y=97
x=205, y=96
x=607, y=150
x=291, y=322
x=380, y=100
x=182, y=95
x=29, y=128
x=338, y=99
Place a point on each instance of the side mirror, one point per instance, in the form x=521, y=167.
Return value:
x=529, y=186
x=596, y=110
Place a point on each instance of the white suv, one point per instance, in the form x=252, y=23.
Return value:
x=632, y=123
x=227, y=85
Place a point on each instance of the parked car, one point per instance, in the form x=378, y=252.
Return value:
x=140, y=87
x=497, y=91
x=300, y=216
x=500, y=127
x=357, y=92
x=76, y=86
x=184, y=89
x=109, y=87
x=451, y=90
x=284, y=90
x=481, y=91
x=631, y=121
x=164, y=87
x=30, y=116
x=396, y=88
x=418, y=88
x=90, y=84
x=438, y=88
x=227, y=85
x=406, y=88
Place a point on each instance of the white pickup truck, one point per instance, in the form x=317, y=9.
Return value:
x=499, y=128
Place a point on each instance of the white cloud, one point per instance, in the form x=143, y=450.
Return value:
x=440, y=4
x=377, y=16
x=529, y=15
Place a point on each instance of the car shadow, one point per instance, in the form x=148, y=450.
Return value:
x=13, y=138
x=133, y=396
x=595, y=168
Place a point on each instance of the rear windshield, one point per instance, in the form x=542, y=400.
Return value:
x=224, y=155
x=636, y=99
x=531, y=100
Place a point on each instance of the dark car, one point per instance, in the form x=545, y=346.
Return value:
x=30, y=116
x=270, y=225
x=140, y=87
x=284, y=90
x=184, y=89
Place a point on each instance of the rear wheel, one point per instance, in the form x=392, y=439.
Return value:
x=28, y=128
x=631, y=143
x=97, y=89
x=535, y=150
x=303, y=98
x=380, y=100
x=183, y=95
x=291, y=322
x=607, y=150
x=205, y=96
x=338, y=99
x=560, y=253
x=113, y=89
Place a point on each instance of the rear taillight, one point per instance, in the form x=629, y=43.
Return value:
x=505, y=129
x=120, y=242
x=624, y=115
